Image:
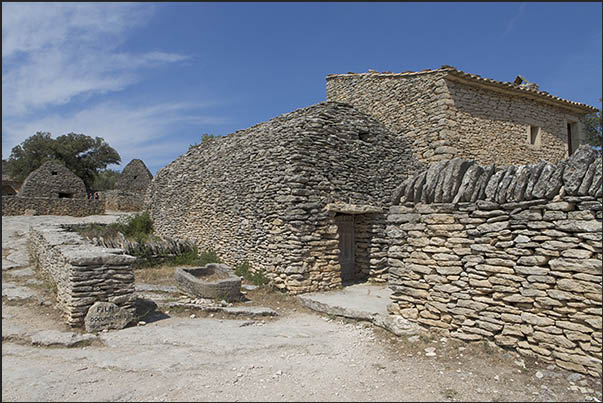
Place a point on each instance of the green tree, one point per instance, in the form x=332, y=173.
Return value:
x=84, y=155
x=592, y=126
x=105, y=180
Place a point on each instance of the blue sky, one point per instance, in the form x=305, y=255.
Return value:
x=151, y=78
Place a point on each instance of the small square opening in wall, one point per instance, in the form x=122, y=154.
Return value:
x=54, y=173
x=534, y=136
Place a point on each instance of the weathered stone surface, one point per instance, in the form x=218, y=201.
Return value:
x=540, y=187
x=191, y=280
x=577, y=167
x=535, y=171
x=492, y=185
x=53, y=180
x=106, y=315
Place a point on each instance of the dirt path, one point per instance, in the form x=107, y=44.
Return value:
x=298, y=356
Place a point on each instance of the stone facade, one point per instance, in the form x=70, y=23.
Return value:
x=513, y=255
x=447, y=113
x=120, y=200
x=53, y=180
x=271, y=195
x=130, y=188
x=83, y=273
x=134, y=178
x=16, y=205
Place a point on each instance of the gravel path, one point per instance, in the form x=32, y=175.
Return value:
x=298, y=356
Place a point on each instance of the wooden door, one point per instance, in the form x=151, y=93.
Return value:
x=347, y=246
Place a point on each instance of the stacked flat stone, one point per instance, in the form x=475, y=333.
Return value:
x=83, y=273
x=134, y=178
x=130, y=188
x=15, y=205
x=525, y=272
x=51, y=179
x=459, y=180
x=121, y=200
x=446, y=115
x=260, y=195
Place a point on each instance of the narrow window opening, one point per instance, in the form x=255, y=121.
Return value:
x=569, y=139
x=63, y=195
x=364, y=136
x=534, y=136
x=135, y=176
x=534, y=132
x=54, y=173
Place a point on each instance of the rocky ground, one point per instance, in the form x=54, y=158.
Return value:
x=180, y=352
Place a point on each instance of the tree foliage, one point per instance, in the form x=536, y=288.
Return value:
x=105, y=180
x=592, y=126
x=83, y=155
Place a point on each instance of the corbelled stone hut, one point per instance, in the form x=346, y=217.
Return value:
x=300, y=197
x=134, y=178
x=53, y=180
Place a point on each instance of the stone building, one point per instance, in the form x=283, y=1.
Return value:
x=301, y=197
x=130, y=188
x=134, y=178
x=53, y=180
x=448, y=113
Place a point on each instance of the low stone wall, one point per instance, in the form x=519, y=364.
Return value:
x=15, y=205
x=523, y=271
x=83, y=273
x=119, y=200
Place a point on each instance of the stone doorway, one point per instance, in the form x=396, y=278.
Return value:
x=347, y=247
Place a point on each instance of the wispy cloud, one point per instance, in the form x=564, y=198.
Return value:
x=56, y=55
x=52, y=53
x=513, y=21
x=135, y=131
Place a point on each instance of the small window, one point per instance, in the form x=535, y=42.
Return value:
x=534, y=136
x=65, y=195
x=54, y=173
x=135, y=176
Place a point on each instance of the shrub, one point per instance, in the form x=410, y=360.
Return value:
x=244, y=270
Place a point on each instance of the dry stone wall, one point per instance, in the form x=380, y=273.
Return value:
x=120, y=200
x=514, y=256
x=135, y=177
x=412, y=105
x=16, y=205
x=446, y=116
x=84, y=274
x=489, y=126
x=53, y=180
x=260, y=195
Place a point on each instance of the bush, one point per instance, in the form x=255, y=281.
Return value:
x=138, y=227
x=244, y=270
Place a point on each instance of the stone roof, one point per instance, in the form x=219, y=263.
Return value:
x=51, y=180
x=135, y=177
x=453, y=72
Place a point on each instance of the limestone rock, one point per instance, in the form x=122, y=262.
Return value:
x=577, y=167
x=106, y=315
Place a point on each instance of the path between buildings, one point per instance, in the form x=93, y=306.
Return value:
x=300, y=355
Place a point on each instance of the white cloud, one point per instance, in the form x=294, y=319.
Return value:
x=52, y=53
x=135, y=132
x=57, y=54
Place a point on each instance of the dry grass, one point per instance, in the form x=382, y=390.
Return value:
x=162, y=275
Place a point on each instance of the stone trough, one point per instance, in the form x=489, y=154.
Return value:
x=210, y=281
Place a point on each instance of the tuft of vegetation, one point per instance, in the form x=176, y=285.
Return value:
x=138, y=227
x=204, y=139
x=244, y=270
